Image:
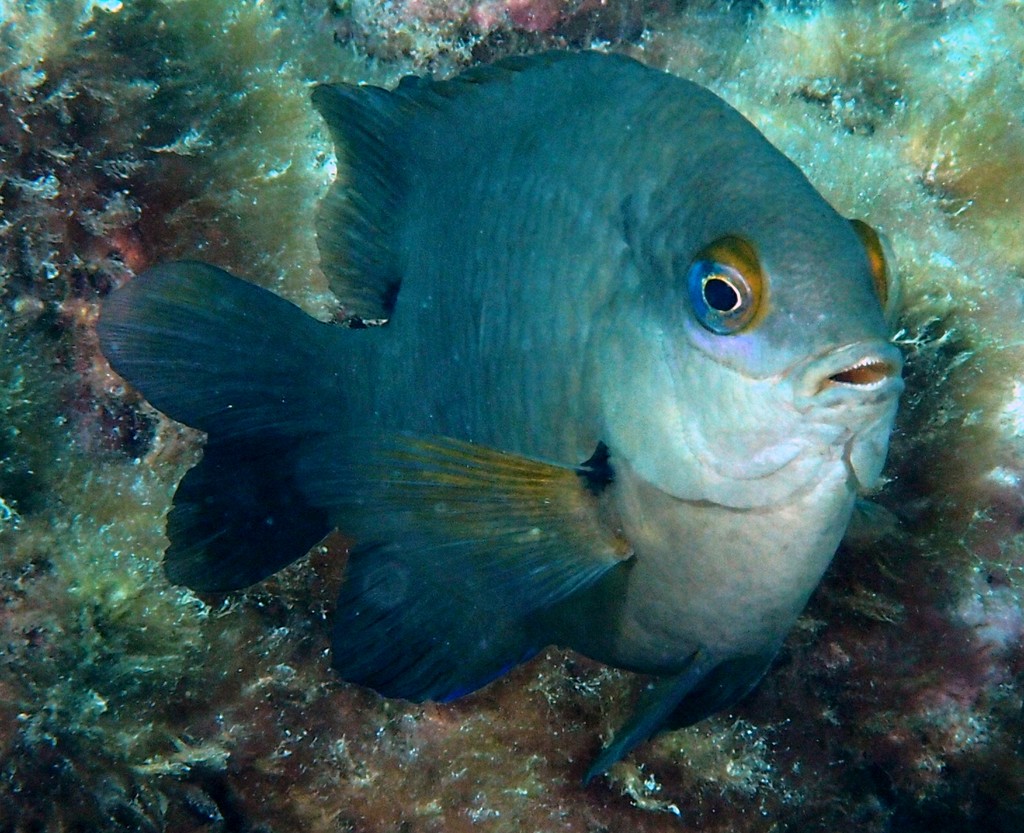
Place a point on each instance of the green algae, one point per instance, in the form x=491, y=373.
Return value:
x=189, y=110
x=93, y=643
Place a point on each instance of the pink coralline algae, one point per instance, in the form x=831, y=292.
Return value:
x=528, y=15
x=433, y=33
x=488, y=15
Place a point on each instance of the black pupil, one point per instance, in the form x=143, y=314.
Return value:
x=721, y=295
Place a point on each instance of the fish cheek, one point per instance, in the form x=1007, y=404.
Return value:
x=693, y=427
x=640, y=409
x=699, y=430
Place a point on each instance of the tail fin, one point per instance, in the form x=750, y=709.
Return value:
x=247, y=367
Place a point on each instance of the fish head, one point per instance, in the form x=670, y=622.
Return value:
x=753, y=356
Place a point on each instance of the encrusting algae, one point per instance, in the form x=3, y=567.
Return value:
x=135, y=134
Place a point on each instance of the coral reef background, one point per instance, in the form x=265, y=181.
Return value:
x=135, y=132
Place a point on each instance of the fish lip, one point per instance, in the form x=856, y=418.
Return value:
x=855, y=374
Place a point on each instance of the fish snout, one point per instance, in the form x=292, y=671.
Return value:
x=854, y=375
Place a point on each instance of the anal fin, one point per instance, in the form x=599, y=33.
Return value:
x=408, y=626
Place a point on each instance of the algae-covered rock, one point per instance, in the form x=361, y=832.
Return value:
x=132, y=133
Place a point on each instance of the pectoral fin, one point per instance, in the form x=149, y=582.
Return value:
x=460, y=546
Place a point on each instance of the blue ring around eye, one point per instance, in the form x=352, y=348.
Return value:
x=701, y=283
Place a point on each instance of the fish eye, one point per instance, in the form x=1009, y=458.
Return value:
x=877, y=261
x=720, y=292
x=724, y=284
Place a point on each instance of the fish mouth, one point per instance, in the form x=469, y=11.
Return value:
x=854, y=389
x=853, y=374
x=868, y=372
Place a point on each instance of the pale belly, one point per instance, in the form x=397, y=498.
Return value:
x=727, y=582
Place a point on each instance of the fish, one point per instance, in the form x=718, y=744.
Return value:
x=612, y=376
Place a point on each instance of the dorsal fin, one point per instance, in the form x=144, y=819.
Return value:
x=378, y=135
x=356, y=223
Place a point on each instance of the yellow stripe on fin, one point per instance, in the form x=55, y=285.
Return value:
x=459, y=546
x=471, y=491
